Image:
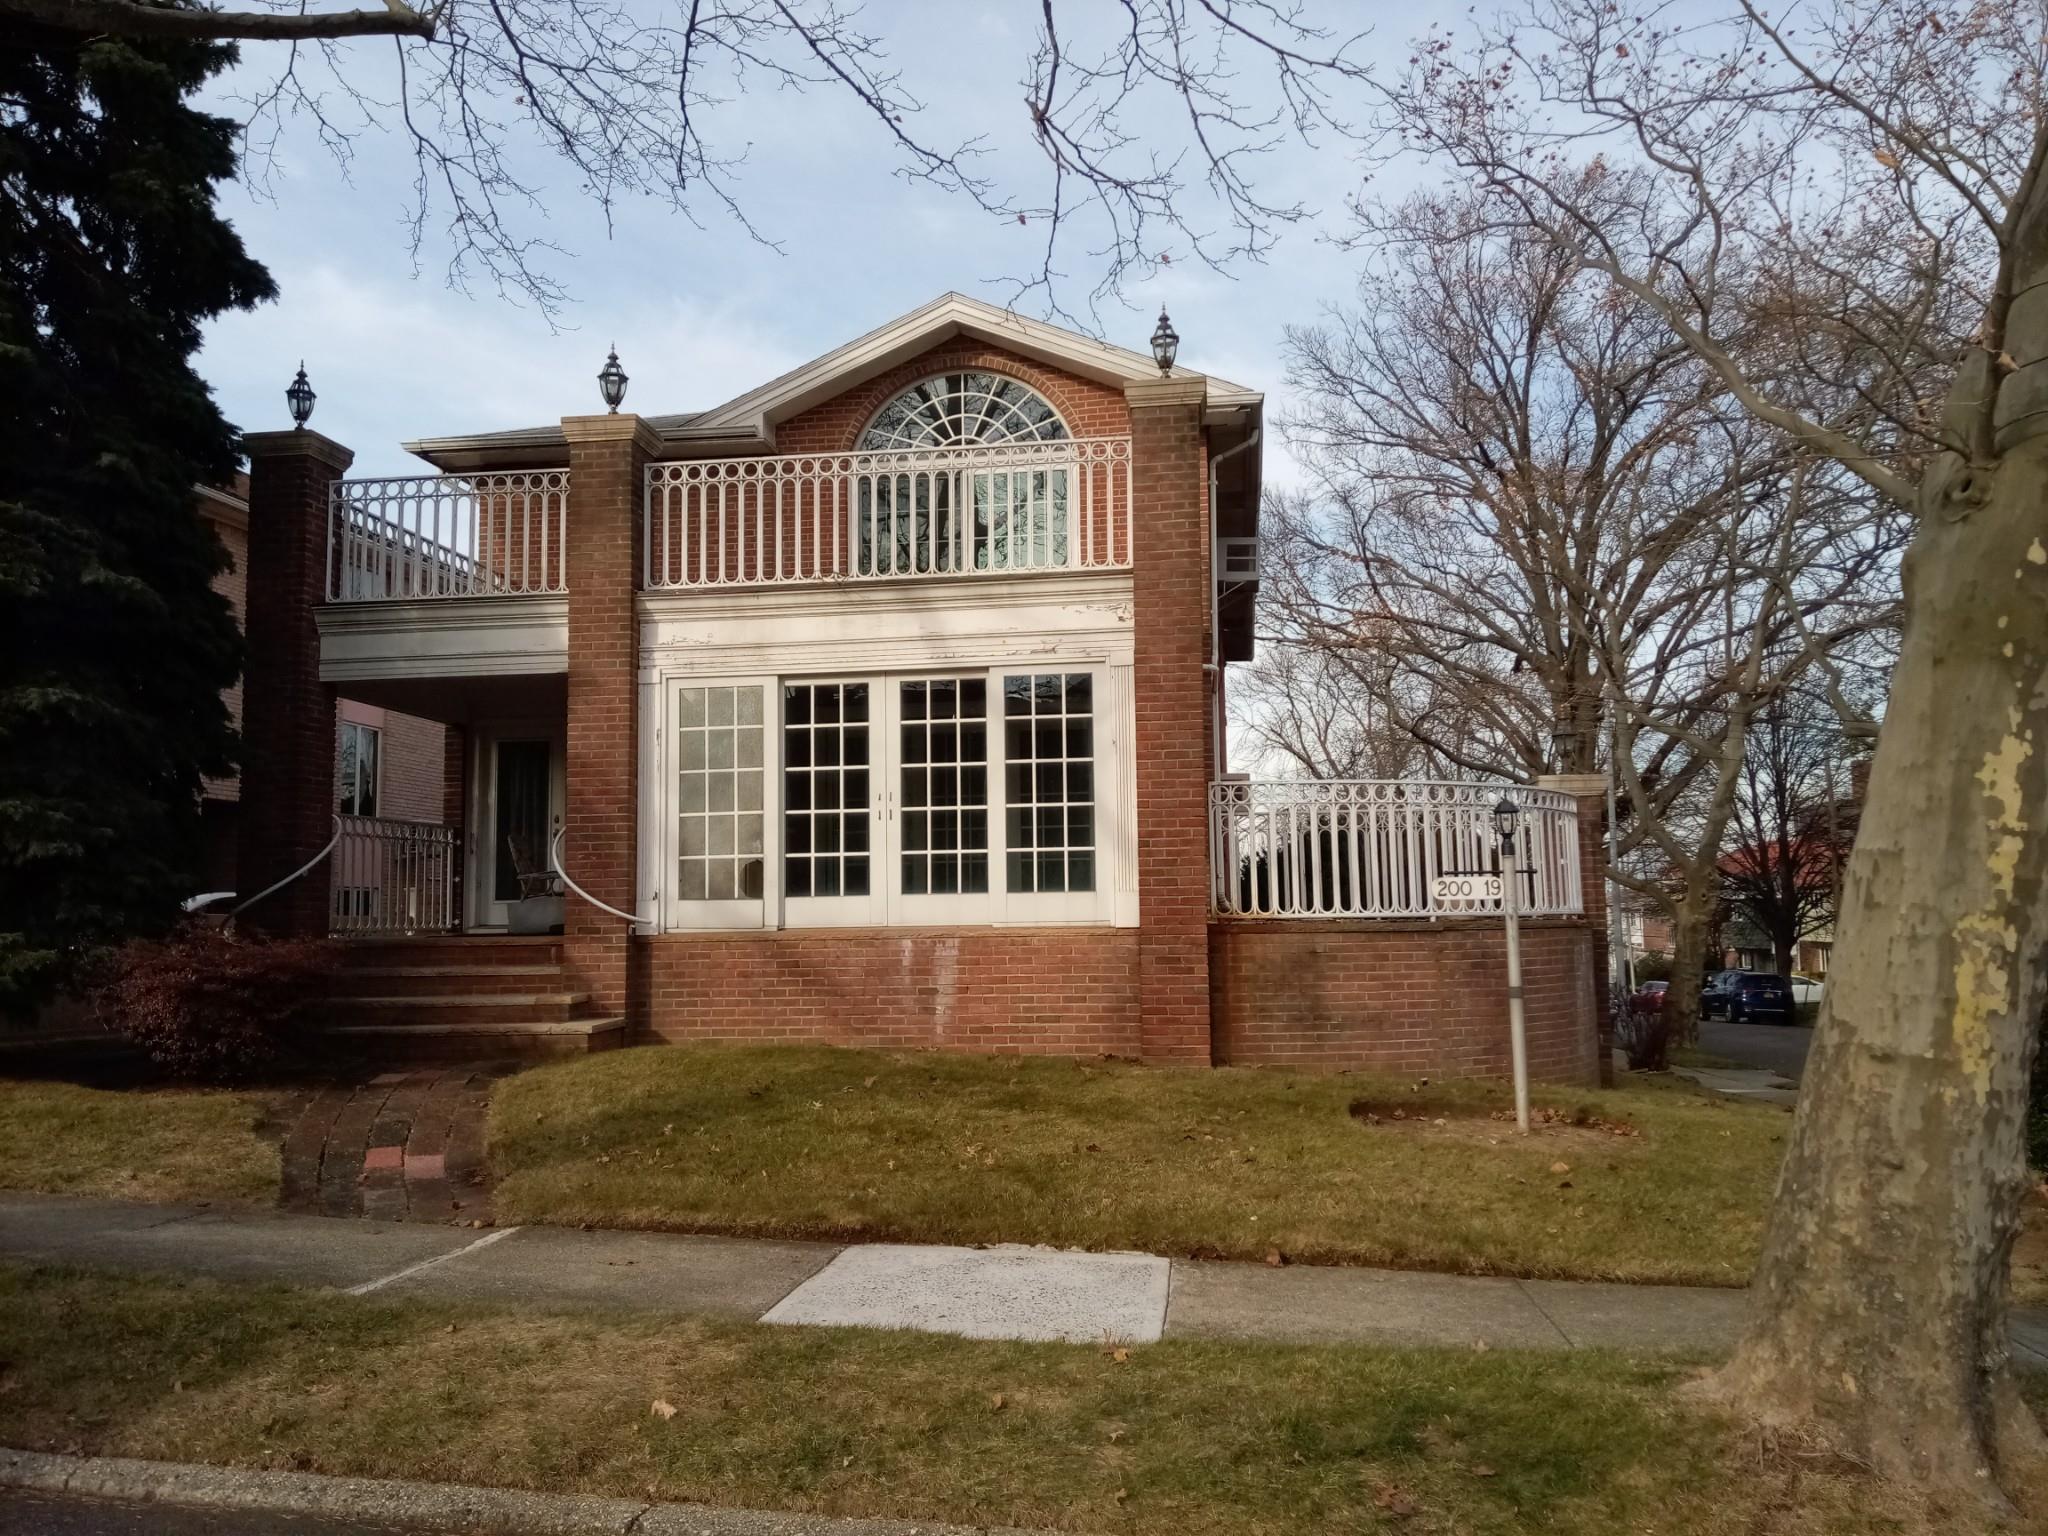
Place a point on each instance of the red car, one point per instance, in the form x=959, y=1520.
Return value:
x=1649, y=997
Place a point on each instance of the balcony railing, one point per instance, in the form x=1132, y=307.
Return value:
x=431, y=536
x=392, y=876
x=1374, y=848
x=983, y=511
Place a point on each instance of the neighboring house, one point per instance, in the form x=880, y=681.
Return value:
x=386, y=764
x=879, y=704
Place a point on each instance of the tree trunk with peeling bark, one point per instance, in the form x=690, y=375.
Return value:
x=1879, y=1305
x=1688, y=966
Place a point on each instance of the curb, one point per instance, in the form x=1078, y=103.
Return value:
x=425, y=1506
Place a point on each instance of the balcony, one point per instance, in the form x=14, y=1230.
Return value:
x=1363, y=848
x=448, y=536
x=1008, y=509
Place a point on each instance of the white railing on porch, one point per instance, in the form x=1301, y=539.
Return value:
x=392, y=876
x=426, y=536
x=1374, y=848
x=987, y=510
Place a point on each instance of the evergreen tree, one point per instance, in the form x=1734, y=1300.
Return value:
x=113, y=647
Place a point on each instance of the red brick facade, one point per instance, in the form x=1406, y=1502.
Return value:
x=1171, y=607
x=1177, y=988
x=1428, y=999
x=1031, y=991
x=607, y=460
x=288, y=724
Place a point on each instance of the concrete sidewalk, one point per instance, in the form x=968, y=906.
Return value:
x=1001, y=1292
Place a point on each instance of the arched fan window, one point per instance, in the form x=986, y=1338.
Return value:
x=908, y=515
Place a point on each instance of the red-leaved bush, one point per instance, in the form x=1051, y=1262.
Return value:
x=204, y=1004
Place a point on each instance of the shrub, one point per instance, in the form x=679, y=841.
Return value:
x=1645, y=1035
x=204, y=1004
x=1654, y=966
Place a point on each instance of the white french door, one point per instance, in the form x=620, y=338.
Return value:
x=941, y=798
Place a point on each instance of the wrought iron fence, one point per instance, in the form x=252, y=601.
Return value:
x=987, y=510
x=430, y=536
x=1375, y=848
x=392, y=876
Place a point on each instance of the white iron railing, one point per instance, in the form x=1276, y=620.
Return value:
x=394, y=876
x=988, y=510
x=494, y=535
x=1374, y=848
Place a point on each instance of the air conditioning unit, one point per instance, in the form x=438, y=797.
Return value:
x=1237, y=561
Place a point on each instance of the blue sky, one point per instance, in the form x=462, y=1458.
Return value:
x=701, y=314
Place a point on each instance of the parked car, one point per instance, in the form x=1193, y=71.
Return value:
x=1759, y=996
x=1649, y=997
x=1806, y=989
x=1715, y=992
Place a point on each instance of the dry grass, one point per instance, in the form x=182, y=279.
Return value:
x=1181, y=1439
x=154, y=1144
x=815, y=1142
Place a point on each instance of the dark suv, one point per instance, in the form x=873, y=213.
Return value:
x=1761, y=996
x=1716, y=992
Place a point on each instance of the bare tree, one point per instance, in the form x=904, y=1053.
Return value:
x=1545, y=529
x=1791, y=831
x=627, y=96
x=1839, y=210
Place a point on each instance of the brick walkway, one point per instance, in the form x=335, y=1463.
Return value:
x=404, y=1146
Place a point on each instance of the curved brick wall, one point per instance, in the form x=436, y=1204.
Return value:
x=1421, y=999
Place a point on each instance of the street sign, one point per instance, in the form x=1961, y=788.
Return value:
x=1465, y=890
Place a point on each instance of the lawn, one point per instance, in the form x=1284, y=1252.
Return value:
x=155, y=1144
x=1658, y=1183
x=1178, y=1439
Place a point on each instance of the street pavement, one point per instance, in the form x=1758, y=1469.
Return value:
x=1002, y=1291
x=1781, y=1047
x=42, y=1514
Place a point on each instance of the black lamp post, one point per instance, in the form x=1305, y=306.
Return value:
x=300, y=397
x=1165, y=342
x=611, y=382
x=1507, y=817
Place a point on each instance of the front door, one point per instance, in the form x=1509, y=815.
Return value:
x=522, y=788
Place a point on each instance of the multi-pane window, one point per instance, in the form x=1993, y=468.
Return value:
x=955, y=797
x=826, y=814
x=1049, y=781
x=942, y=754
x=721, y=820
x=357, y=778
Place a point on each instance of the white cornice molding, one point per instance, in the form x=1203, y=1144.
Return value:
x=944, y=318
x=449, y=637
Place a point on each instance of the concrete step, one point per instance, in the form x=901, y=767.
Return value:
x=457, y=1008
x=474, y=1041
x=444, y=980
x=452, y=949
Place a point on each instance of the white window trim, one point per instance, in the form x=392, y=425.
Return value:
x=1113, y=902
x=678, y=915
x=376, y=769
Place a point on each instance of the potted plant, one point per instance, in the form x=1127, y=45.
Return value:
x=539, y=907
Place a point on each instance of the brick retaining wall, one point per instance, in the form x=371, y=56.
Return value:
x=1428, y=999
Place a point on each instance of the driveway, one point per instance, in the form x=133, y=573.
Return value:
x=1780, y=1047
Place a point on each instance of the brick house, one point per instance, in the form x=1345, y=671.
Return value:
x=880, y=704
x=387, y=765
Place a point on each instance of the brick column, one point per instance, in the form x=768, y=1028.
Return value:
x=1170, y=542
x=607, y=461
x=1590, y=790
x=288, y=730
x=455, y=809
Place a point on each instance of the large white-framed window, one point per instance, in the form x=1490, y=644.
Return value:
x=938, y=796
x=718, y=846
x=356, y=779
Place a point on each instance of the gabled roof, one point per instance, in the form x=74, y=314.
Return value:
x=750, y=419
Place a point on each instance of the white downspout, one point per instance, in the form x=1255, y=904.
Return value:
x=1214, y=665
